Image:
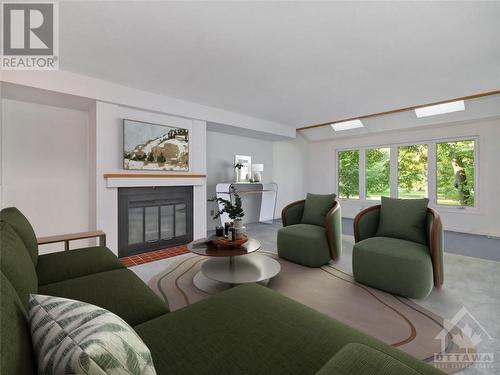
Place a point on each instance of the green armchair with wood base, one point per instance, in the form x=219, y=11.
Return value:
x=312, y=231
x=399, y=266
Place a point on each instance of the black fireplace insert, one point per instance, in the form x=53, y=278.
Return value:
x=152, y=218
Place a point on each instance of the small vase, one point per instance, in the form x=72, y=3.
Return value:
x=239, y=233
x=238, y=224
x=237, y=174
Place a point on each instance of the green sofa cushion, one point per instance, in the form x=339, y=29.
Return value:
x=359, y=359
x=16, y=263
x=316, y=208
x=394, y=265
x=23, y=228
x=119, y=291
x=305, y=244
x=65, y=265
x=252, y=330
x=16, y=351
x=404, y=219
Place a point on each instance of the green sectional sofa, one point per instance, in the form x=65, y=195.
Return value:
x=246, y=330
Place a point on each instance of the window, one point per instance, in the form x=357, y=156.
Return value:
x=378, y=173
x=442, y=170
x=455, y=173
x=412, y=171
x=348, y=174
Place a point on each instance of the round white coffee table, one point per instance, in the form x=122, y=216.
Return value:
x=229, y=267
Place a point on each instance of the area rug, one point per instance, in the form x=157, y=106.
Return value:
x=394, y=320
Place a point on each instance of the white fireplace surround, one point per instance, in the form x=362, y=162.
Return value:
x=199, y=202
x=108, y=132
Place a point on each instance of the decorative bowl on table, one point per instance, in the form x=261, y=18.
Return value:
x=226, y=242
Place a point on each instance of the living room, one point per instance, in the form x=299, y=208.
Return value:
x=250, y=187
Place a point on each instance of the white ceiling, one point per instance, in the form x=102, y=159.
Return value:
x=297, y=63
x=477, y=109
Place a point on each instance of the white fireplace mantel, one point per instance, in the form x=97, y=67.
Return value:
x=115, y=180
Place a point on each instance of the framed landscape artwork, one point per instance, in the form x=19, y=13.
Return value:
x=155, y=147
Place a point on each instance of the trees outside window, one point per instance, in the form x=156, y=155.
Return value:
x=412, y=171
x=348, y=174
x=378, y=173
x=455, y=173
x=403, y=172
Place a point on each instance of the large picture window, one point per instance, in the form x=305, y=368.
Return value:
x=348, y=167
x=455, y=173
x=412, y=171
x=442, y=170
x=378, y=173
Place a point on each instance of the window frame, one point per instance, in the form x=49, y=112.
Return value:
x=337, y=179
x=365, y=170
x=431, y=171
x=475, y=139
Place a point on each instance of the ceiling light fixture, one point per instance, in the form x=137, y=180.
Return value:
x=347, y=125
x=439, y=109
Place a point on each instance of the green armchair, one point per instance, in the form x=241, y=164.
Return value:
x=395, y=265
x=312, y=245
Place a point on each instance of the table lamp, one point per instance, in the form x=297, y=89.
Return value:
x=257, y=168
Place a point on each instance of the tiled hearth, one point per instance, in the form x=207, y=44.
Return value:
x=151, y=256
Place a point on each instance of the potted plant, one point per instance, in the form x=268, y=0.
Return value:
x=234, y=210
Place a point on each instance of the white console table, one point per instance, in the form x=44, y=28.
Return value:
x=267, y=191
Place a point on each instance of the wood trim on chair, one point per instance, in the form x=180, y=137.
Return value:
x=329, y=231
x=358, y=218
x=283, y=211
x=435, y=244
x=66, y=238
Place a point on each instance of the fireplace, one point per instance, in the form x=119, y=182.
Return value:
x=151, y=218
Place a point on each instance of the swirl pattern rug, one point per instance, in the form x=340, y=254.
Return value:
x=394, y=320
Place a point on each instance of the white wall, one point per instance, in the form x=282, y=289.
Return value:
x=45, y=166
x=291, y=170
x=484, y=220
x=221, y=149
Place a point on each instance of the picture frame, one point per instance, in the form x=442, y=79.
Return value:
x=155, y=147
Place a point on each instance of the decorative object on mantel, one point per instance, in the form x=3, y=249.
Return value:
x=234, y=210
x=155, y=147
x=242, y=168
x=257, y=168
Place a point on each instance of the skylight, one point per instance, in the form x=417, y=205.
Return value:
x=439, y=109
x=347, y=125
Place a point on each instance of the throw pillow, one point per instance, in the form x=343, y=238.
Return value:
x=316, y=208
x=403, y=219
x=73, y=337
